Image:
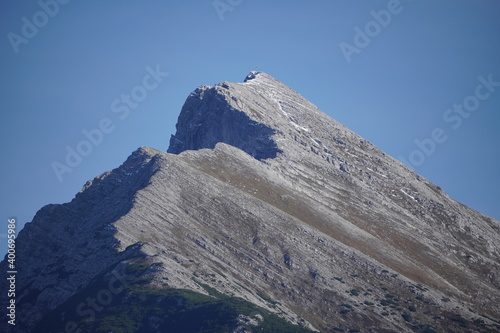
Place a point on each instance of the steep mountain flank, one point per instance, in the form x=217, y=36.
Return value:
x=264, y=213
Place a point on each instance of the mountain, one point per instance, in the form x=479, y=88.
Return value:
x=265, y=215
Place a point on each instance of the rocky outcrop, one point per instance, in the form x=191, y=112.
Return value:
x=207, y=118
x=263, y=197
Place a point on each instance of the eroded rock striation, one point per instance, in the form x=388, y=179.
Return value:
x=265, y=207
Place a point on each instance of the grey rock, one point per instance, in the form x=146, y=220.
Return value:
x=264, y=197
x=197, y=129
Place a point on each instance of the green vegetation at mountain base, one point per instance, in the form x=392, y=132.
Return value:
x=140, y=308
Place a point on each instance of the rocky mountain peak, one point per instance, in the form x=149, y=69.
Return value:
x=268, y=209
x=252, y=75
x=256, y=116
x=222, y=114
x=263, y=78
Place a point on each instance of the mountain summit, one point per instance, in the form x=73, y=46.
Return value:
x=265, y=215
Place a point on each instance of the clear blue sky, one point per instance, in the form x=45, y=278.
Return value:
x=65, y=68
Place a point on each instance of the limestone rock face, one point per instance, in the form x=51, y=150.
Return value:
x=207, y=118
x=263, y=197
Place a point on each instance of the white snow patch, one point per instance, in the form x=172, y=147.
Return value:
x=378, y=173
x=300, y=127
x=408, y=194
